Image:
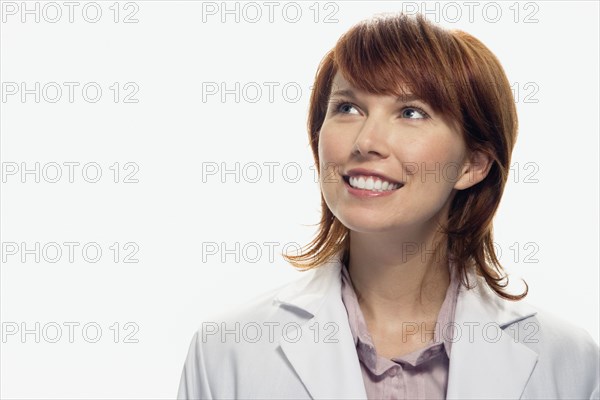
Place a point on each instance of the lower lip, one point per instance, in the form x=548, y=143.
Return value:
x=368, y=193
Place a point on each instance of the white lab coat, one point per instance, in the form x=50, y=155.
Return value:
x=295, y=342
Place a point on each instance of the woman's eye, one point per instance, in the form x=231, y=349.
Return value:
x=413, y=113
x=344, y=108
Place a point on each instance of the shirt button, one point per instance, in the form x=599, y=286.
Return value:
x=392, y=371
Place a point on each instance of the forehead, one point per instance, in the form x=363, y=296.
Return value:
x=339, y=81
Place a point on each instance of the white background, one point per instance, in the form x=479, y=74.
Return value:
x=170, y=132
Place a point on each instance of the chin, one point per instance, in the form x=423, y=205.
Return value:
x=366, y=224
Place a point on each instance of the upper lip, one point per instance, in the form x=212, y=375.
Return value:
x=368, y=172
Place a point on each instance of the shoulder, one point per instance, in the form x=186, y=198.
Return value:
x=566, y=352
x=536, y=327
x=259, y=321
x=566, y=357
x=235, y=351
x=553, y=335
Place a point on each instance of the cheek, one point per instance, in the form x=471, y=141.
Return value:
x=333, y=152
x=435, y=159
x=332, y=146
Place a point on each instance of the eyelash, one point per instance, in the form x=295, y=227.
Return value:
x=338, y=103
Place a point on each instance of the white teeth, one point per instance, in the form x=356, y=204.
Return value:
x=370, y=183
x=361, y=182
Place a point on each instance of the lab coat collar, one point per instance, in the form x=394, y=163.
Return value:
x=485, y=362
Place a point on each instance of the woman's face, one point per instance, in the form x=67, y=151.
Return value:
x=395, y=141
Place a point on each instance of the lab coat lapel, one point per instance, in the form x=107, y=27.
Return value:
x=488, y=362
x=485, y=360
x=322, y=351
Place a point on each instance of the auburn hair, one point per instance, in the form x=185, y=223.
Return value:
x=460, y=78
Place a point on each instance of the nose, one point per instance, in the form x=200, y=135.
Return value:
x=371, y=141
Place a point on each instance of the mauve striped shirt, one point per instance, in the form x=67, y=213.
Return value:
x=422, y=374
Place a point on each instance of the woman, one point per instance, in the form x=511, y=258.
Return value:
x=412, y=127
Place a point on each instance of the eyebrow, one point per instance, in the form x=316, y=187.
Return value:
x=349, y=93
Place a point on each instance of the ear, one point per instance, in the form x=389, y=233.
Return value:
x=474, y=170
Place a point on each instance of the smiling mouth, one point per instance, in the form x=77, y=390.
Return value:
x=370, y=183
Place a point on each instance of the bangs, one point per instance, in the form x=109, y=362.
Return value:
x=397, y=55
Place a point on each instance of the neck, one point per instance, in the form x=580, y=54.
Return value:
x=397, y=281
